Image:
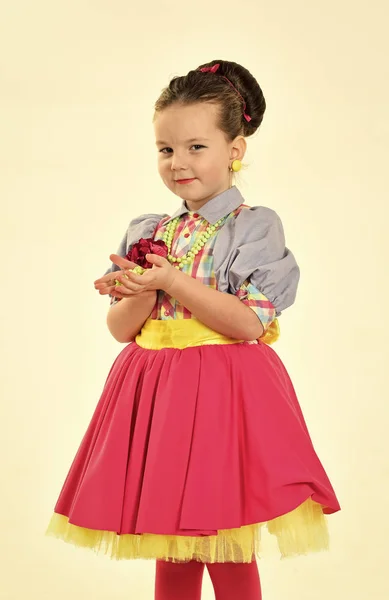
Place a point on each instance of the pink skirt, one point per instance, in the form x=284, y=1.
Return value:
x=190, y=444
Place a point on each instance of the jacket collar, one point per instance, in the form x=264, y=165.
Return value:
x=220, y=206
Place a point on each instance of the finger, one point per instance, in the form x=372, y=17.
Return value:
x=129, y=294
x=156, y=260
x=106, y=279
x=135, y=278
x=121, y=262
x=118, y=296
x=108, y=282
x=127, y=284
x=134, y=289
x=106, y=290
x=114, y=289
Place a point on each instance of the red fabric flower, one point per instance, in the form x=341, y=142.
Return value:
x=138, y=252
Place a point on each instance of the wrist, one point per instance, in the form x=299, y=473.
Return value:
x=175, y=278
x=145, y=296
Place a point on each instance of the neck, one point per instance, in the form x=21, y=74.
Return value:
x=194, y=205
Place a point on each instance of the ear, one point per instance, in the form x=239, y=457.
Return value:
x=238, y=148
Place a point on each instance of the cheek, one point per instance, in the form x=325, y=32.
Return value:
x=163, y=165
x=165, y=172
x=214, y=165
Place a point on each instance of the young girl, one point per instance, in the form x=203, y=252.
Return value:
x=198, y=439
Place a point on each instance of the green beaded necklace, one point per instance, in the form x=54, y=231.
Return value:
x=189, y=256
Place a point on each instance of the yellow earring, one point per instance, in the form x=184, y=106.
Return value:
x=236, y=166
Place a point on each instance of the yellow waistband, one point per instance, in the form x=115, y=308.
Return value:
x=186, y=333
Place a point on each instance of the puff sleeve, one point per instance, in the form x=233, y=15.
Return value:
x=143, y=226
x=251, y=250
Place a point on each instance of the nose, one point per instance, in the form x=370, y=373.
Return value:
x=178, y=163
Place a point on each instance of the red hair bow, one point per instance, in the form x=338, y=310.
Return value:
x=210, y=69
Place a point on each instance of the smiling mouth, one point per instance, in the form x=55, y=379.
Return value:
x=184, y=181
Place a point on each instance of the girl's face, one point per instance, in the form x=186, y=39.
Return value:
x=194, y=155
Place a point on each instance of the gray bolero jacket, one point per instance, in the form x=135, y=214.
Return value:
x=249, y=247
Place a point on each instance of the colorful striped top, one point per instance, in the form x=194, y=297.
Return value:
x=246, y=256
x=190, y=227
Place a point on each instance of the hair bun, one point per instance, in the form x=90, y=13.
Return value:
x=248, y=87
x=240, y=100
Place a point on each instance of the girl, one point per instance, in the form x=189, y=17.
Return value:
x=198, y=439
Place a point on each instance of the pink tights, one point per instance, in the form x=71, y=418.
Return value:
x=231, y=581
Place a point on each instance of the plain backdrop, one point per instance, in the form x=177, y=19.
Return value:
x=78, y=161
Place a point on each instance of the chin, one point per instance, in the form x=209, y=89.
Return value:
x=190, y=197
x=186, y=193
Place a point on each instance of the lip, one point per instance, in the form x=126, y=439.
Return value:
x=185, y=181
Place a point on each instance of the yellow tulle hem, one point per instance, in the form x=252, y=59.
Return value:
x=301, y=531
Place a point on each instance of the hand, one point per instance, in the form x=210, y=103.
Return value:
x=159, y=277
x=106, y=284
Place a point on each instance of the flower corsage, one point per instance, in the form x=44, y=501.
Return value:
x=138, y=252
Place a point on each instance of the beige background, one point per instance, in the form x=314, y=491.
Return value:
x=78, y=82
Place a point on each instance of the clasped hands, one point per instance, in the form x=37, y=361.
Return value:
x=160, y=277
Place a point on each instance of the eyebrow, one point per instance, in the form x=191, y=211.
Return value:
x=158, y=142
